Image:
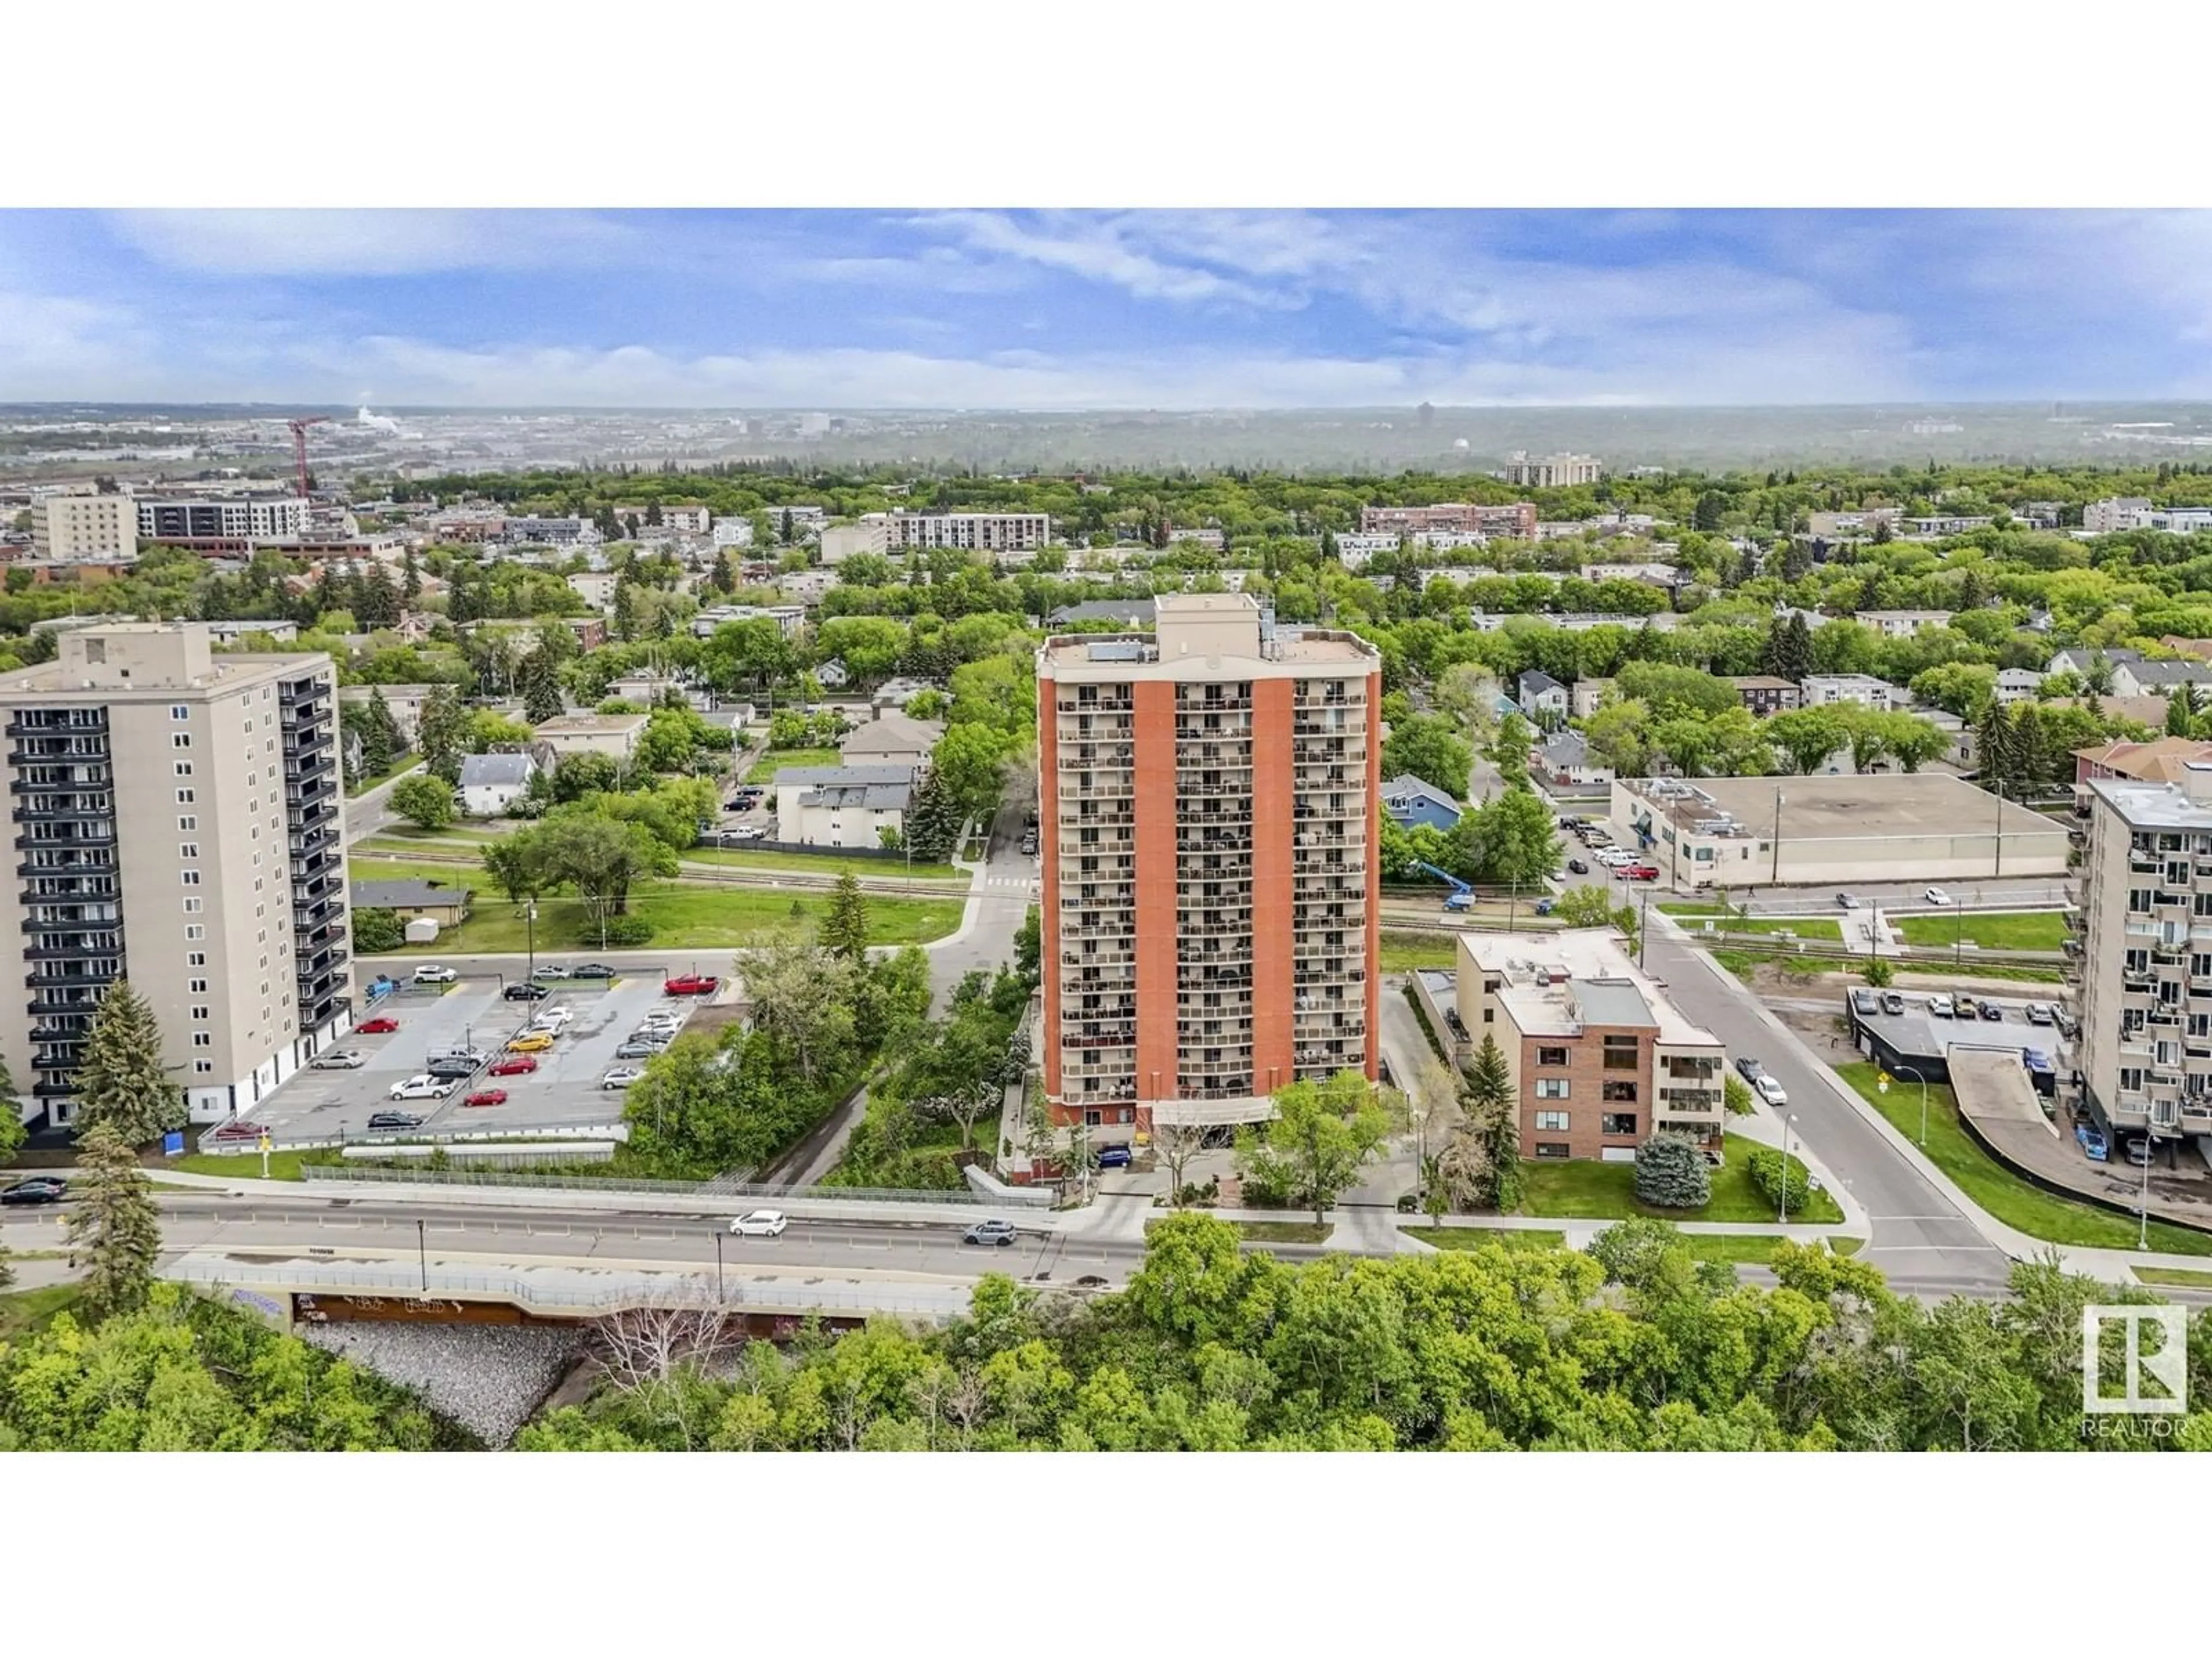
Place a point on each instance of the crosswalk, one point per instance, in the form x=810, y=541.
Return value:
x=1024, y=883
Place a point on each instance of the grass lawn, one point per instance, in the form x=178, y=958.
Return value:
x=1585, y=1188
x=828, y=864
x=406, y=836
x=1404, y=952
x=25, y=1312
x=1742, y=963
x=2025, y=931
x=765, y=769
x=2184, y=1277
x=1972, y=969
x=2002, y=1194
x=1473, y=1238
x=282, y=1166
x=685, y=915
x=1757, y=1248
x=1820, y=927
x=406, y=763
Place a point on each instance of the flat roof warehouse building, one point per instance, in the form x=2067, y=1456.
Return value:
x=1815, y=830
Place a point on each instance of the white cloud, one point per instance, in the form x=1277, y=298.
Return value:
x=1098, y=249
x=369, y=242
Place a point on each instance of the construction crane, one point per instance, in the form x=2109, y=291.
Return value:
x=1460, y=895
x=299, y=447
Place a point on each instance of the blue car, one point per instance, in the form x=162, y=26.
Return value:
x=1114, y=1158
x=2092, y=1143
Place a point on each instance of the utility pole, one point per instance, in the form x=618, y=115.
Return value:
x=1774, y=875
x=422, y=1255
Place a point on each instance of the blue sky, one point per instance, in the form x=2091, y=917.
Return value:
x=1066, y=310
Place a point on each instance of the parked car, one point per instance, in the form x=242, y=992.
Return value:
x=428, y=974
x=592, y=970
x=690, y=984
x=2138, y=1151
x=761, y=1223
x=1865, y=1002
x=394, y=1120
x=1613, y=857
x=1940, y=1007
x=1578, y=867
x=1963, y=1006
x=1544, y=907
x=552, y=1019
x=340, y=1060
x=1749, y=1069
x=487, y=1097
x=989, y=1233
x=1847, y=900
x=38, y=1189
x=1936, y=896
x=455, y=1067
x=2093, y=1144
x=621, y=1078
x=638, y=1049
x=2062, y=1017
x=1640, y=871
x=530, y=1043
x=1116, y=1157
x=381, y=1025
x=1893, y=1002
x=550, y=970
x=2039, y=1013
x=523, y=990
x=1991, y=1010
x=1770, y=1091
x=513, y=1065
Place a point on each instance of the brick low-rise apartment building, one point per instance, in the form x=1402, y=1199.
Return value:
x=1600, y=1059
x=1516, y=519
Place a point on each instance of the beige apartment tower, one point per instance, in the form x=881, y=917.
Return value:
x=1208, y=807
x=85, y=529
x=177, y=822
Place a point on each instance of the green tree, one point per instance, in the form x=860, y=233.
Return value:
x=441, y=732
x=1508, y=753
x=1322, y=1135
x=1788, y=654
x=1593, y=907
x=424, y=800
x=1427, y=746
x=1514, y=838
x=932, y=821
x=113, y=1221
x=1805, y=738
x=377, y=931
x=541, y=688
x=122, y=1084
x=1671, y=1172
x=969, y=764
x=1029, y=948
x=845, y=928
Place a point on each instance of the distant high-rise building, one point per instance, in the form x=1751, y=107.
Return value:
x=1552, y=471
x=85, y=529
x=1210, y=823
x=178, y=823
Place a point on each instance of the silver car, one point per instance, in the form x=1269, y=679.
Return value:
x=340, y=1060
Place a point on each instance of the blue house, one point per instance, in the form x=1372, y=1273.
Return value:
x=1409, y=802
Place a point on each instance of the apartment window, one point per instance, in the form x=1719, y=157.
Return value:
x=199, y=987
x=203, y=1067
x=1556, y=1121
x=1616, y=1123
x=1625, y=1093
x=203, y=1039
x=184, y=768
x=195, y=930
x=195, y=959
x=200, y=1010
x=193, y=907
x=188, y=849
x=1551, y=1056
x=1554, y=1149
x=1620, y=1053
x=2131, y=1079
x=178, y=712
x=2139, y=901
x=188, y=822
x=1551, y=1088
x=191, y=878
x=181, y=740
x=184, y=798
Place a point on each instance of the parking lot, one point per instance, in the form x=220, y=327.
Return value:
x=564, y=1091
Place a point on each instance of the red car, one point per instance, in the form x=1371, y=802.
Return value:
x=378, y=1026
x=487, y=1097
x=511, y=1066
x=690, y=984
x=1641, y=871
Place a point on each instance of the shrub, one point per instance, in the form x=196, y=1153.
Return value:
x=626, y=930
x=1878, y=973
x=1767, y=1174
x=377, y=931
x=1671, y=1173
x=1267, y=1188
x=1737, y=1093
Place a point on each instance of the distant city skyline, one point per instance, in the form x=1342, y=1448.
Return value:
x=1063, y=311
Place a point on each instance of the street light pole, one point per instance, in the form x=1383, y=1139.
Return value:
x=718, y=1295
x=531, y=913
x=2143, y=1200
x=1774, y=874
x=422, y=1255
x=1781, y=1202
x=1908, y=1070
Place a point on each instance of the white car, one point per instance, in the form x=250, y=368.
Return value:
x=430, y=976
x=1941, y=1007
x=340, y=1060
x=1768, y=1090
x=1936, y=896
x=1615, y=857
x=422, y=1087
x=621, y=1078
x=551, y=970
x=552, y=1019
x=761, y=1223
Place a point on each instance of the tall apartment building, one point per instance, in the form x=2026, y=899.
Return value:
x=234, y=519
x=986, y=532
x=1552, y=471
x=1209, y=824
x=2145, y=962
x=1517, y=518
x=1600, y=1059
x=87, y=528
x=178, y=823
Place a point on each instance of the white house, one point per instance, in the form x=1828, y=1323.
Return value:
x=890, y=739
x=841, y=805
x=1903, y=624
x=613, y=735
x=492, y=783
